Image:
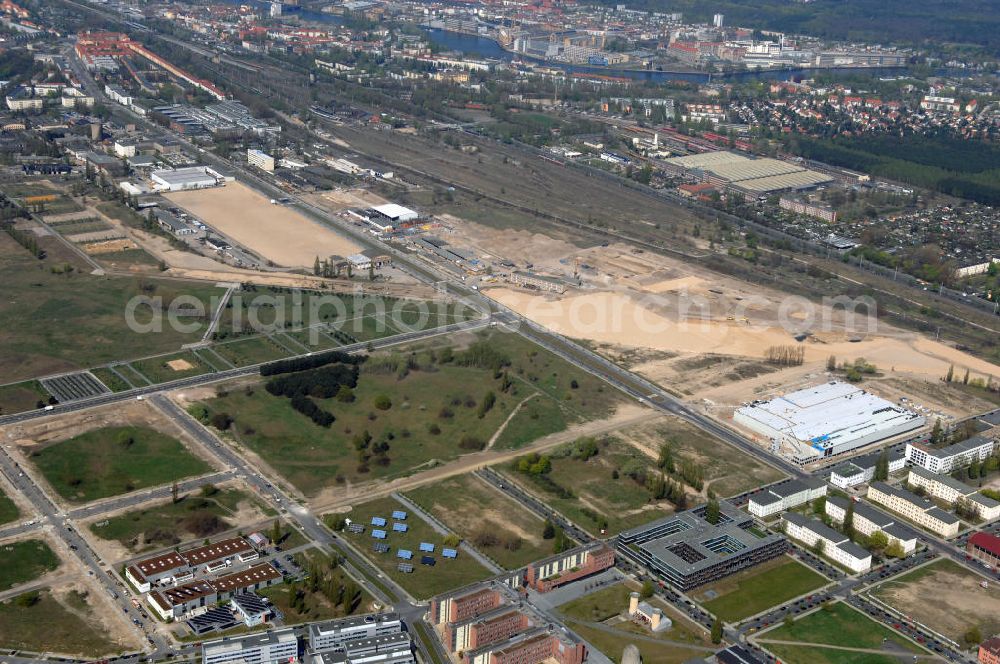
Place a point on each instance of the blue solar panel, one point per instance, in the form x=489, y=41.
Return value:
x=378, y=534
x=404, y=554
x=428, y=560
x=378, y=521
x=449, y=553
x=398, y=514
x=424, y=546
x=400, y=527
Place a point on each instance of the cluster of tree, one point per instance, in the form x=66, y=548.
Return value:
x=486, y=405
x=492, y=536
x=661, y=487
x=584, y=448
x=785, y=356
x=689, y=471
x=308, y=407
x=560, y=541
x=482, y=355
x=321, y=383
x=27, y=240
x=533, y=464
x=857, y=370
x=313, y=361
x=329, y=582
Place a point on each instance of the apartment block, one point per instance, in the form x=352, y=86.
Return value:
x=920, y=511
x=947, y=459
x=836, y=546
x=785, y=496
x=862, y=469
x=868, y=520
x=950, y=490
x=568, y=566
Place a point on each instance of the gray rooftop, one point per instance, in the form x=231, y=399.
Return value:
x=942, y=516
x=946, y=480
x=909, y=496
x=958, y=448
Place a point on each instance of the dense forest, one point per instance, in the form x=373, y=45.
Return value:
x=970, y=22
x=965, y=169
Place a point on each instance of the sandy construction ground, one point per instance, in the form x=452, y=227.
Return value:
x=958, y=602
x=276, y=232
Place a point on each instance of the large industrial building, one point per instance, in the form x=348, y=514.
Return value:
x=687, y=551
x=826, y=420
x=189, y=177
x=754, y=177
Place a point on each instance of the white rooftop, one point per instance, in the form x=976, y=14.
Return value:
x=830, y=413
x=394, y=211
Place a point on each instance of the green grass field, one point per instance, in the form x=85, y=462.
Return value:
x=609, y=602
x=58, y=322
x=597, y=495
x=68, y=626
x=195, y=516
x=424, y=582
x=435, y=407
x=20, y=397
x=839, y=625
x=25, y=561
x=726, y=474
x=157, y=369
x=752, y=591
x=8, y=510
x=114, y=460
x=109, y=378
x=128, y=259
x=493, y=523
x=814, y=655
x=253, y=350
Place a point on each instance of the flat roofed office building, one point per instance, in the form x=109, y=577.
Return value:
x=335, y=634
x=687, y=551
x=275, y=647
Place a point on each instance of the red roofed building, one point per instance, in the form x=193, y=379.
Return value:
x=989, y=651
x=985, y=547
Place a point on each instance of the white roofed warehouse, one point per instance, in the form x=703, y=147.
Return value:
x=826, y=420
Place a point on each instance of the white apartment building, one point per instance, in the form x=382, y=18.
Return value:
x=862, y=469
x=785, y=496
x=275, y=647
x=949, y=458
x=261, y=160
x=920, y=511
x=868, y=520
x=836, y=546
x=950, y=490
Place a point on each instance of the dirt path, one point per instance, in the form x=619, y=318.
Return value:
x=338, y=498
x=503, y=427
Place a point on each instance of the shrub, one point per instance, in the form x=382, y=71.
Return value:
x=383, y=402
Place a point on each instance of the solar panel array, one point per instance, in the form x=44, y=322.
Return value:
x=428, y=560
x=405, y=554
x=379, y=547
x=405, y=568
x=379, y=534
x=400, y=527
x=399, y=515
x=449, y=553
x=426, y=547
x=378, y=521
x=356, y=528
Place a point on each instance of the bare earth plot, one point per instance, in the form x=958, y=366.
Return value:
x=276, y=232
x=959, y=602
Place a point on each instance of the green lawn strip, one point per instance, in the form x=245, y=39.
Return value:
x=25, y=561
x=21, y=397
x=839, y=625
x=494, y=524
x=253, y=350
x=157, y=369
x=110, y=379
x=114, y=460
x=597, y=495
x=424, y=582
x=313, y=338
x=748, y=593
x=127, y=258
x=50, y=626
x=819, y=655
x=194, y=516
x=8, y=509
